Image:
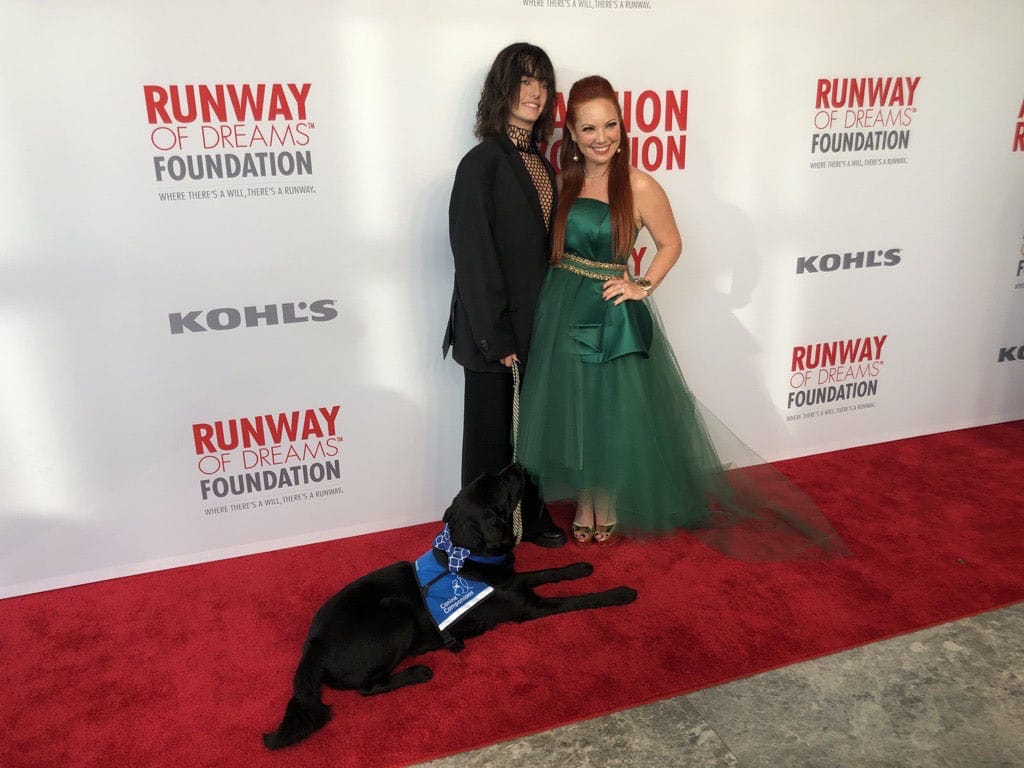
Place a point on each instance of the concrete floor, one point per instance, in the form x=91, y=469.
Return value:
x=947, y=697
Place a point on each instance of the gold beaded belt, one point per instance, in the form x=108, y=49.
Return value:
x=595, y=270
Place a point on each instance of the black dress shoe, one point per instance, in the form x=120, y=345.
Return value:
x=552, y=537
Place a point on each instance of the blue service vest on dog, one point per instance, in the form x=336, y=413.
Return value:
x=448, y=596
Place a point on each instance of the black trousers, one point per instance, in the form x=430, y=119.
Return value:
x=487, y=439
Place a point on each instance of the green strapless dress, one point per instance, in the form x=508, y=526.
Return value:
x=604, y=408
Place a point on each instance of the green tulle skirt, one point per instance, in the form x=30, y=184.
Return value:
x=605, y=412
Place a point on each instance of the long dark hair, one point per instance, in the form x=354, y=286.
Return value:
x=501, y=91
x=620, y=193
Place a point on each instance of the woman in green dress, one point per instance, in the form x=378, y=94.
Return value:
x=606, y=416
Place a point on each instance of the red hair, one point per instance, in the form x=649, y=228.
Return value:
x=620, y=193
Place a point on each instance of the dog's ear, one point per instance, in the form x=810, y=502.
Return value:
x=464, y=531
x=514, y=481
x=496, y=528
x=463, y=516
x=449, y=512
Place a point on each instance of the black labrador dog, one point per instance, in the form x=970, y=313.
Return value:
x=363, y=632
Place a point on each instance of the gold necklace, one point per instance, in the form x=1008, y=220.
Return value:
x=599, y=176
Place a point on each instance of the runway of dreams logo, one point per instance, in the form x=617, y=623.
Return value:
x=856, y=119
x=838, y=376
x=231, y=132
x=268, y=459
x=1019, y=284
x=1018, y=137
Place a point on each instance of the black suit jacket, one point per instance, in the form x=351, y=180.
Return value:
x=501, y=245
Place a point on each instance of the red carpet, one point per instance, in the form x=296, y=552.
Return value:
x=187, y=667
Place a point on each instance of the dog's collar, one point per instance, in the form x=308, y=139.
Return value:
x=457, y=556
x=488, y=559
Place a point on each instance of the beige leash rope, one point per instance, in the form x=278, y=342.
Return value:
x=517, y=515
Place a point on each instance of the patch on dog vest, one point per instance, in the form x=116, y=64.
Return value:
x=448, y=596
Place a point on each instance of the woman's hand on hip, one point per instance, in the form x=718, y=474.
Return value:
x=620, y=289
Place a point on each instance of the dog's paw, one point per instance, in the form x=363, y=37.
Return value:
x=419, y=673
x=577, y=570
x=622, y=595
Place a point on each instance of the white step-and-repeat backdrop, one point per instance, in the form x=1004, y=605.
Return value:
x=224, y=270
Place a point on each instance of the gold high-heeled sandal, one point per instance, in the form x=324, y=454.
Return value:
x=582, y=535
x=607, y=532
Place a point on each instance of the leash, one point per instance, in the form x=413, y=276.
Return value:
x=517, y=515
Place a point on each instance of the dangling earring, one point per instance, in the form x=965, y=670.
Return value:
x=618, y=151
x=575, y=156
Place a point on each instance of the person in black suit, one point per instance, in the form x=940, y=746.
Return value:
x=499, y=222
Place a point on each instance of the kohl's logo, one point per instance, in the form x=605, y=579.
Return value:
x=229, y=318
x=1010, y=354
x=830, y=262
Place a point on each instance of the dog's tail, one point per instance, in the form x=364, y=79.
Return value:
x=305, y=713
